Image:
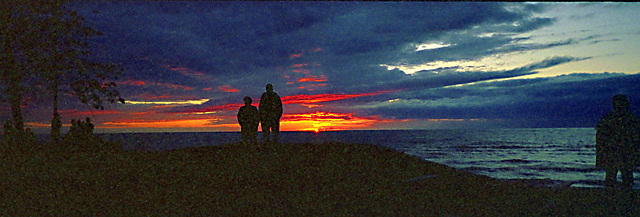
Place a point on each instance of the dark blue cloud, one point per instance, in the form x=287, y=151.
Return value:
x=576, y=100
x=244, y=37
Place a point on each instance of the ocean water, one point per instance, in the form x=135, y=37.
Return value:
x=554, y=155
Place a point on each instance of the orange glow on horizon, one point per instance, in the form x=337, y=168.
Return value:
x=313, y=122
x=36, y=125
x=205, y=118
x=326, y=121
x=316, y=122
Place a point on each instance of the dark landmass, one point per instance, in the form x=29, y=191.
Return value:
x=280, y=180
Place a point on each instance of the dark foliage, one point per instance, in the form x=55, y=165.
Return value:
x=82, y=139
x=44, y=49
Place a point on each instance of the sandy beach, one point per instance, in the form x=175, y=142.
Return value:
x=285, y=180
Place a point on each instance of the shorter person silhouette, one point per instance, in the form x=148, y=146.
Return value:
x=618, y=143
x=248, y=119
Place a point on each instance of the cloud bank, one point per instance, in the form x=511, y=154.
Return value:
x=370, y=61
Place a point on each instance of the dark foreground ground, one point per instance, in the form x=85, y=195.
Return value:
x=282, y=180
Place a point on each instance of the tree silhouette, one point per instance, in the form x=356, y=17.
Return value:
x=45, y=49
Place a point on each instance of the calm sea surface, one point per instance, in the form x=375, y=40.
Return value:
x=554, y=154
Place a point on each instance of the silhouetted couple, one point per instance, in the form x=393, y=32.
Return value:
x=617, y=143
x=268, y=115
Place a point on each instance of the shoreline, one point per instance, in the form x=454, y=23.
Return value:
x=590, y=177
x=142, y=143
x=283, y=179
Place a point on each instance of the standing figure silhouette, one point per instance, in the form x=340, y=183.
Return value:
x=270, y=110
x=617, y=142
x=248, y=119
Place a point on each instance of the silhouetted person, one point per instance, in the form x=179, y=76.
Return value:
x=617, y=142
x=248, y=119
x=270, y=113
x=74, y=130
x=87, y=127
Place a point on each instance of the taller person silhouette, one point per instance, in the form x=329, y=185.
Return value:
x=270, y=110
x=617, y=142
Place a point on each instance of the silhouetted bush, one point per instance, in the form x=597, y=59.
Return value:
x=82, y=139
x=16, y=141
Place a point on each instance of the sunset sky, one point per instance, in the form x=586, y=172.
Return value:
x=359, y=65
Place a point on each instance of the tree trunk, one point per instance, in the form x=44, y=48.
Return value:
x=56, y=123
x=15, y=93
x=16, y=110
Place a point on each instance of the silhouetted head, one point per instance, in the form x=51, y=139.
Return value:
x=269, y=88
x=247, y=100
x=620, y=102
x=88, y=120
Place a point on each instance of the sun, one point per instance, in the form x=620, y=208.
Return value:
x=316, y=130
